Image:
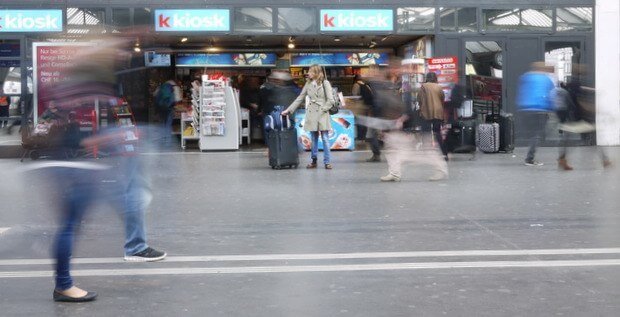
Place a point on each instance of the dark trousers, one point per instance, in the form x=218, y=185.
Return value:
x=434, y=126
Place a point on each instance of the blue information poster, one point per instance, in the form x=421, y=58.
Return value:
x=339, y=59
x=226, y=60
x=342, y=136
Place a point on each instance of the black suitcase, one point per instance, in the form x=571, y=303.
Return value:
x=461, y=137
x=283, y=150
x=506, y=133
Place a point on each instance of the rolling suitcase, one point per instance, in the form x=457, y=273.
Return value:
x=282, y=143
x=488, y=137
x=461, y=137
x=506, y=133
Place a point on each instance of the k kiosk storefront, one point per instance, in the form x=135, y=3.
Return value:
x=17, y=28
x=491, y=33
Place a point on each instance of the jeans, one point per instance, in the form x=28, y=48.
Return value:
x=372, y=136
x=537, y=121
x=75, y=201
x=315, y=146
x=136, y=197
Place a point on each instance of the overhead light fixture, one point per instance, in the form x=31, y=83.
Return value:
x=248, y=39
x=137, y=49
x=183, y=40
x=291, y=42
x=213, y=49
x=291, y=45
x=372, y=44
x=336, y=38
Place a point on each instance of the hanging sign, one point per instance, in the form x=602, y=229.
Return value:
x=30, y=21
x=339, y=59
x=226, y=60
x=378, y=20
x=214, y=20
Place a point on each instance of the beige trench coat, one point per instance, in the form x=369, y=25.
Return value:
x=317, y=111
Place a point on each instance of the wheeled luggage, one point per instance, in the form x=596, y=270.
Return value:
x=506, y=133
x=488, y=137
x=282, y=142
x=461, y=137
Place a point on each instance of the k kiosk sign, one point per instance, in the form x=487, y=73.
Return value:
x=21, y=21
x=367, y=20
x=213, y=20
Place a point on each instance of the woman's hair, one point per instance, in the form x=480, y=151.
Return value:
x=431, y=77
x=315, y=68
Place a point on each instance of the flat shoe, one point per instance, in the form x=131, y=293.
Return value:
x=311, y=165
x=59, y=297
x=328, y=166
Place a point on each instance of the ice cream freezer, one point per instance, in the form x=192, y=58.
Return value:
x=342, y=136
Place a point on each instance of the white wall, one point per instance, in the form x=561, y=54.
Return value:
x=607, y=17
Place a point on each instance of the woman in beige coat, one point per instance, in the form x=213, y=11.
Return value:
x=317, y=118
x=431, y=98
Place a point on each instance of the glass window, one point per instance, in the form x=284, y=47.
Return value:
x=517, y=19
x=458, y=19
x=142, y=16
x=574, y=19
x=254, y=20
x=415, y=19
x=120, y=17
x=85, y=20
x=296, y=20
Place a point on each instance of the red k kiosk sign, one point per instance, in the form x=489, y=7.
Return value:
x=210, y=20
x=357, y=20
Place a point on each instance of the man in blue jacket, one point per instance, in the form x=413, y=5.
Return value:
x=535, y=102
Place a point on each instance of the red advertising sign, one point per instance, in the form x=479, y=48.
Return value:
x=52, y=64
x=446, y=69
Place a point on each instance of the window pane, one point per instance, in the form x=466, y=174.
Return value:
x=296, y=20
x=447, y=19
x=120, y=17
x=85, y=20
x=416, y=19
x=253, y=20
x=574, y=19
x=517, y=19
x=142, y=16
x=467, y=20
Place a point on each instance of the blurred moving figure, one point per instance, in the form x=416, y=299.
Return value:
x=167, y=95
x=535, y=102
x=431, y=98
x=575, y=113
x=92, y=78
x=400, y=147
x=278, y=90
x=318, y=120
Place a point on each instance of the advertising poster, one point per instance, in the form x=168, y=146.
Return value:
x=342, y=136
x=339, y=59
x=226, y=60
x=52, y=62
x=486, y=88
x=446, y=69
x=152, y=59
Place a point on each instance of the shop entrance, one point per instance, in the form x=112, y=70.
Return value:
x=15, y=88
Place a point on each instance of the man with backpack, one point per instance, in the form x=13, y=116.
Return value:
x=166, y=97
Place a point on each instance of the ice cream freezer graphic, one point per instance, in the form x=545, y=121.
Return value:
x=342, y=136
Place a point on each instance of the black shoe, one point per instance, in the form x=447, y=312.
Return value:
x=374, y=158
x=59, y=297
x=148, y=255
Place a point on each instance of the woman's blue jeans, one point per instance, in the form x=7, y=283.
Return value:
x=315, y=145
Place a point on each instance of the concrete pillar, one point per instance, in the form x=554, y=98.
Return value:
x=607, y=38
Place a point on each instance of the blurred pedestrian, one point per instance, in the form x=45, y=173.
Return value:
x=431, y=98
x=574, y=116
x=92, y=78
x=167, y=96
x=318, y=119
x=535, y=102
x=278, y=90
